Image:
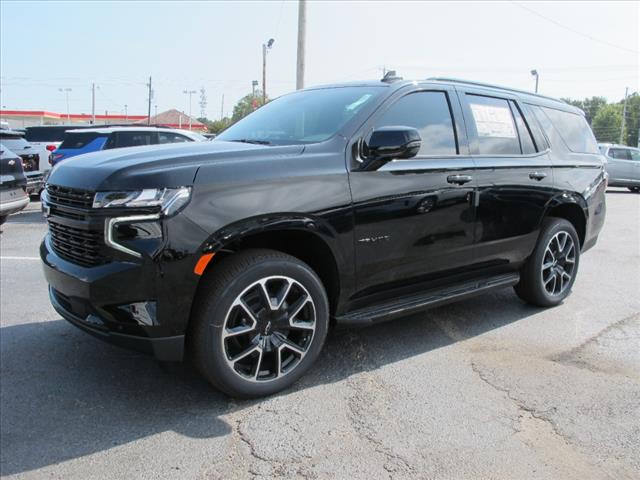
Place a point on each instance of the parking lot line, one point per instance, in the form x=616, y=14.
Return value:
x=19, y=258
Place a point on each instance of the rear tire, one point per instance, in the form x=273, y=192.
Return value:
x=3, y=219
x=259, y=322
x=549, y=273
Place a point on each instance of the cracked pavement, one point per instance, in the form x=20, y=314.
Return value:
x=485, y=388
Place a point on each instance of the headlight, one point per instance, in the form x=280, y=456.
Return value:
x=170, y=200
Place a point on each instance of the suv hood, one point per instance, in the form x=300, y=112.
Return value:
x=155, y=166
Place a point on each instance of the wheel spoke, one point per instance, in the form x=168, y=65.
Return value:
x=264, y=294
x=297, y=307
x=257, y=372
x=241, y=330
x=283, y=294
x=240, y=303
x=247, y=352
x=291, y=346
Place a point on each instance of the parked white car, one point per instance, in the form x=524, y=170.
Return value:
x=623, y=165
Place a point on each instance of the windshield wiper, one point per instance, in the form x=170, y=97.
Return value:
x=252, y=140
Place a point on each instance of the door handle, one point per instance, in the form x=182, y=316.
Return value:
x=537, y=175
x=459, y=179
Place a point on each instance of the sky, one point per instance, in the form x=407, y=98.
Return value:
x=580, y=49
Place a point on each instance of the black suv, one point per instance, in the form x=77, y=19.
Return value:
x=346, y=204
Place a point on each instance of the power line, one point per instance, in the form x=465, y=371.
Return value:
x=570, y=29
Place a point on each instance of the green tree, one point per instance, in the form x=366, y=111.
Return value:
x=217, y=126
x=246, y=105
x=632, y=124
x=590, y=106
x=607, y=123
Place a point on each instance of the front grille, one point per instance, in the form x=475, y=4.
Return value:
x=83, y=247
x=70, y=197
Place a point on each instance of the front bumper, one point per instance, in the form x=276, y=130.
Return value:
x=13, y=206
x=119, y=302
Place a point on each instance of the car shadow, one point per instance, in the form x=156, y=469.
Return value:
x=65, y=394
x=31, y=214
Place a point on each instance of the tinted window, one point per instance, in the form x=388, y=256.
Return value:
x=635, y=155
x=134, y=139
x=526, y=139
x=620, y=153
x=46, y=134
x=78, y=140
x=306, y=116
x=429, y=113
x=14, y=143
x=167, y=137
x=495, y=126
x=573, y=129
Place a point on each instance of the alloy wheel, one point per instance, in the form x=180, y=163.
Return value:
x=558, y=263
x=268, y=329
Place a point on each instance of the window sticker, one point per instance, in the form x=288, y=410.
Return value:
x=492, y=121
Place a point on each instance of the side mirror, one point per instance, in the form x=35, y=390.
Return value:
x=389, y=143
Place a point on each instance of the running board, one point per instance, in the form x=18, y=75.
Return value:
x=422, y=301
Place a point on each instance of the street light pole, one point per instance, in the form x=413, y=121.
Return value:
x=125, y=113
x=535, y=74
x=265, y=47
x=302, y=26
x=624, y=116
x=66, y=92
x=190, y=93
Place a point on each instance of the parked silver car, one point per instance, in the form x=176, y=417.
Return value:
x=623, y=165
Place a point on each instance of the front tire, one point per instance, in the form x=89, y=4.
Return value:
x=549, y=273
x=259, y=323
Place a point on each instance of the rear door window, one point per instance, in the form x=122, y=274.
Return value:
x=573, y=129
x=75, y=140
x=134, y=139
x=168, y=137
x=524, y=132
x=429, y=113
x=495, y=126
x=620, y=153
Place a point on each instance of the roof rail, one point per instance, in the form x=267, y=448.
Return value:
x=390, y=77
x=489, y=85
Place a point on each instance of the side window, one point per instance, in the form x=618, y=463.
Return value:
x=573, y=129
x=168, y=137
x=111, y=142
x=134, y=139
x=620, y=153
x=495, y=125
x=429, y=113
x=635, y=155
x=524, y=132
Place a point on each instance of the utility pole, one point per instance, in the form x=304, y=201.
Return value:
x=222, y=108
x=302, y=28
x=189, y=92
x=66, y=92
x=265, y=47
x=126, y=113
x=150, y=96
x=93, y=104
x=254, y=84
x=203, y=103
x=624, y=116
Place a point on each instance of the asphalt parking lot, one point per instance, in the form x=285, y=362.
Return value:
x=486, y=388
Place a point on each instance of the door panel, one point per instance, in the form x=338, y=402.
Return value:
x=514, y=177
x=512, y=196
x=410, y=222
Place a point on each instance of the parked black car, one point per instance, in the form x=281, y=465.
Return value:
x=13, y=184
x=347, y=204
x=15, y=141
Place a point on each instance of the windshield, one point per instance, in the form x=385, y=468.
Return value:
x=302, y=117
x=15, y=143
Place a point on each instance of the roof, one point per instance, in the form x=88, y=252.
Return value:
x=173, y=118
x=400, y=83
x=135, y=128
